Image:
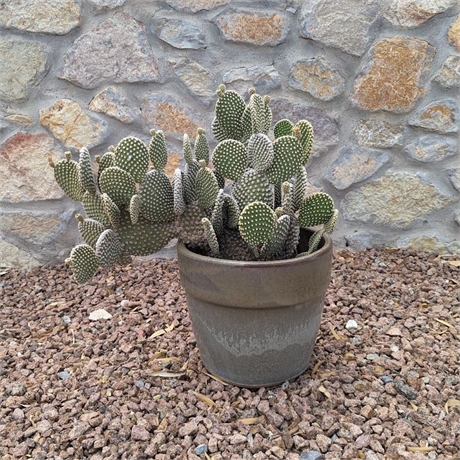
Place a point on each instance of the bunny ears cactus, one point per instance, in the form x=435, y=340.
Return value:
x=249, y=205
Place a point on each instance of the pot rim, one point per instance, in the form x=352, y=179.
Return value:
x=326, y=247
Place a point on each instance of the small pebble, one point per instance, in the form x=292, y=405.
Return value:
x=201, y=449
x=386, y=379
x=351, y=324
x=140, y=384
x=372, y=356
x=64, y=375
x=311, y=455
x=66, y=319
x=124, y=303
x=405, y=390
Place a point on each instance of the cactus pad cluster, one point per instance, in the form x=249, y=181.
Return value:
x=245, y=201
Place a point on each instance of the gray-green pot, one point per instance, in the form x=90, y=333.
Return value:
x=256, y=323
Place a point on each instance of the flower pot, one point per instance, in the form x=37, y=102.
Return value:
x=256, y=323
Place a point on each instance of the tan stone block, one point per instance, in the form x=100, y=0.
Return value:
x=393, y=80
x=453, y=36
x=12, y=256
x=196, y=5
x=25, y=174
x=20, y=119
x=71, y=125
x=253, y=27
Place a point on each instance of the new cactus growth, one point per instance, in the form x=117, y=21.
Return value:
x=250, y=205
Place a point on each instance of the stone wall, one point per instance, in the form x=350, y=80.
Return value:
x=378, y=80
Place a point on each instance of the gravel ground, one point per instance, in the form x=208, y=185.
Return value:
x=133, y=387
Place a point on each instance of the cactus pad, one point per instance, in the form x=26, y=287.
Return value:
x=67, y=176
x=94, y=208
x=118, y=184
x=287, y=159
x=300, y=187
x=89, y=230
x=253, y=186
x=316, y=209
x=229, y=110
x=157, y=197
x=210, y=236
x=157, y=150
x=206, y=187
x=135, y=208
x=84, y=263
x=111, y=210
x=178, y=191
x=85, y=172
x=108, y=248
x=260, y=150
x=131, y=155
x=201, y=147
x=304, y=130
x=257, y=223
x=230, y=158
x=283, y=128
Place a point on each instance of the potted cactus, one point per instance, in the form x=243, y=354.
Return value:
x=253, y=247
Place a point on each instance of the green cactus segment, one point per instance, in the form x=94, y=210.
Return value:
x=84, y=263
x=314, y=241
x=304, y=130
x=188, y=183
x=131, y=155
x=257, y=223
x=316, y=209
x=300, y=187
x=283, y=128
x=145, y=237
x=188, y=225
x=330, y=224
x=287, y=198
x=89, y=230
x=111, y=210
x=229, y=110
x=260, y=151
x=108, y=248
x=94, y=208
x=206, y=187
x=157, y=197
x=276, y=195
x=178, y=192
x=230, y=158
x=232, y=212
x=187, y=149
x=135, y=208
x=218, y=216
x=253, y=186
x=292, y=238
x=287, y=159
x=118, y=184
x=210, y=236
x=201, y=147
x=67, y=176
x=85, y=172
x=217, y=131
x=220, y=178
x=274, y=248
x=105, y=161
x=158, y=152
x=261, y=115
x=246, y=125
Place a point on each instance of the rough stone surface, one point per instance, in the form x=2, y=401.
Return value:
x=166, y=112
x=392, y=80
x=71, y=125
x=377, y=133
x=30, y=57
x=25, y=175
x=432, y=148
x=453, y=35
x=454, y=176
x=407, y=14
x=428, y=243
x=341, y=24
x=196, y=5
x=43, y=16
x=199, y=81
x=394, y=200
x=107, y=3
x=318, y=77
x=255, y=27
x=20, y=119
x=181, y=34
x=355, y=165
x=262, y=78
x=111, y=102
x=449, y=74
x=116, y=50
x=12, y=256
x=442, y=116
